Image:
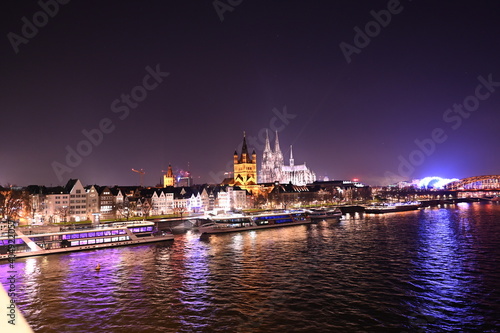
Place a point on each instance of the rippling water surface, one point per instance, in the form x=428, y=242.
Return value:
x=433, y=270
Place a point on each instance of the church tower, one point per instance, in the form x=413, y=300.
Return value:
x=278, y=159
x=169, y=178
x=245, y=168
x=267, y=164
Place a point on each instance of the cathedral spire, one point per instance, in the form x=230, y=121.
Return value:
x=291, y=156
x=267, y=147
x=277, y=159
x=277, y=144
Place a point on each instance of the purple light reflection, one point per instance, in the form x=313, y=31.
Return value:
x=189, y=265
x=440, y=278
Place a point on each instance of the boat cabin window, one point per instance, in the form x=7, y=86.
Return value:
x=142, y=229
x=17, y=242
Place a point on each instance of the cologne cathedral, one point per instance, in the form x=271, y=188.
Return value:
x=273, y=167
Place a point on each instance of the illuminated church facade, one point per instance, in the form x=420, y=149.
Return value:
x=273, y=167
x=245, y=169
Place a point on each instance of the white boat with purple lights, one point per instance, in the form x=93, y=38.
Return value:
x=18, y=244
x=243, y=222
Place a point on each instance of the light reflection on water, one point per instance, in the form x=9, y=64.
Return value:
x=439, y=271
x=432, y=270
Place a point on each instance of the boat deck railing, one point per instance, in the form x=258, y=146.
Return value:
x=37, y=230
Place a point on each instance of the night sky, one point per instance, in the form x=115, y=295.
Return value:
x=267, y=64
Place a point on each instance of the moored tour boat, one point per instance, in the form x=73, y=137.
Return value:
x=242, y=222
x=324, y=213
x=392, y=208
x=18, y=244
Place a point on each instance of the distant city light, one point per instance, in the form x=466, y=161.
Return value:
x=435, y=182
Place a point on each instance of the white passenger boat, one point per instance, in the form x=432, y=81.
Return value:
x=392, y=208
x=324, y=213
x=16, y=244
x=242, y=222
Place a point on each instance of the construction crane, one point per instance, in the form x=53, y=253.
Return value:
x=141, y=174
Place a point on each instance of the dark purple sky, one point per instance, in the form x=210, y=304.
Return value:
x=351, y=120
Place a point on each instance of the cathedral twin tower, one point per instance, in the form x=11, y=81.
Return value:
x=273, y=168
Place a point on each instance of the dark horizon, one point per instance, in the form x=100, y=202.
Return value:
x=379, y=91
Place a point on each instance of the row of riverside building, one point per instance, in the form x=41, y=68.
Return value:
x=75, y=202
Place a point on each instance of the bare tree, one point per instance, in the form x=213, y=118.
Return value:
x=122, y=210
x=13, y=203
x=180, y=210
x=63, y=213
x=146, y=207
x=259, y=201
x=287, y=201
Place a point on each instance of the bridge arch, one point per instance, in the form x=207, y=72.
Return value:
x=490, y=182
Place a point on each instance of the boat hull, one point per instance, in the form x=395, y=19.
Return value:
x=141, y=240
x=395, y=209
x=209, y=230
x=325, y=215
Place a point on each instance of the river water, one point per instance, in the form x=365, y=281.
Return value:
x=433, y=270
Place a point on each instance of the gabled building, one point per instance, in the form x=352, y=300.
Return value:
x=143, y=207
x=181, y=199
x=207, y=198
x=162, y=201
x=77, y=200
x=285, y=195
x=106, y=202
x=93, y=207
x=195, y=202
x=230, y=198
x=49, y=204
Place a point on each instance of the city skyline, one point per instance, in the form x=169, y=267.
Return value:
x=379, y=91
